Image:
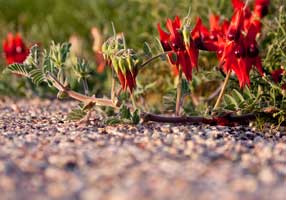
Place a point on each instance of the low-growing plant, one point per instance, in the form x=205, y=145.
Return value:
x=244, y=95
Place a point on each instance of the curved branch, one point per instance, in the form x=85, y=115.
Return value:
x=153, y=58
x=80, y=97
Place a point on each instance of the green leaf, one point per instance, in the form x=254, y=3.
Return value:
x=147, y=50
x=48, y=65
x=238, y=95
x=65, y=49
x=185, y=87
x=125, y=112
x=34, y=56
x=19, y=69
x=113, y=121
x=231, y=101
x=135, y=117
x=37, y=76
x=174, y=57
x=248, y=93
x=76, y=115
x=81, y=69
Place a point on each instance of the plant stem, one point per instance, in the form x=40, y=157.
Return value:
x=85, y=86
x=133, y=101
x=246, y=4
x=219, y=99
x=179, y=93
x=112, y=86
x=61, y=76
x=78, y=96
x=152, y=59
x=231, y=119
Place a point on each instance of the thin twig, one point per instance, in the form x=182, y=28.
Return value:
x=219, y=99
x=214, y=94
x=179, y=93
x=152, y=59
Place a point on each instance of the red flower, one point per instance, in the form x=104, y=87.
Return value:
x=261, y=8
x=203, y=38
x=240, y=55
x=277, y=75
x=236, y=25
x=125, y=65
x=128, y=80
x=216, y=28
x=237, y=47
x=237, y=4
x=14, y=48
x=186, y=51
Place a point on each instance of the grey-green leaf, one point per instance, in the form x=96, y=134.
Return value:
x=147, y=50
x=19, y=69
x=37, y=76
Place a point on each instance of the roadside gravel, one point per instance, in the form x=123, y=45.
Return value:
x=44, y=157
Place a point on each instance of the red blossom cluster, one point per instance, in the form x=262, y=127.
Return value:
x=14, y=48
x=277, y=75
x=234, y=40
x=186, y=51
x=127, y=79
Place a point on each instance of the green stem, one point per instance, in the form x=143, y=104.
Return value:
x=85, y=86
x=112, y=86
x=133, y=101
x=152, y=59
x=179, y=93
x=61, y=76
x=219, y=99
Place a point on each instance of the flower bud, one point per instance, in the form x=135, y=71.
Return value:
x=122, y=65
x=115, y=64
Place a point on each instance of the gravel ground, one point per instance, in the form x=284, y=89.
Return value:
x=43, y=157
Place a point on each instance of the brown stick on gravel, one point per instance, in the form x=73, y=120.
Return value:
x=227, y=119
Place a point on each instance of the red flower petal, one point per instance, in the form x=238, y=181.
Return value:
x=261, y=7
x=164, y=38
x=186, y=65
x=235, y=26
x=15, y=50
x=193, y=54
x=237, y=4
x=277, y=75
x=122, y=80
x=130, y=80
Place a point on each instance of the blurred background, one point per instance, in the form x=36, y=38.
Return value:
x=72, y=20
x=58, y=20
